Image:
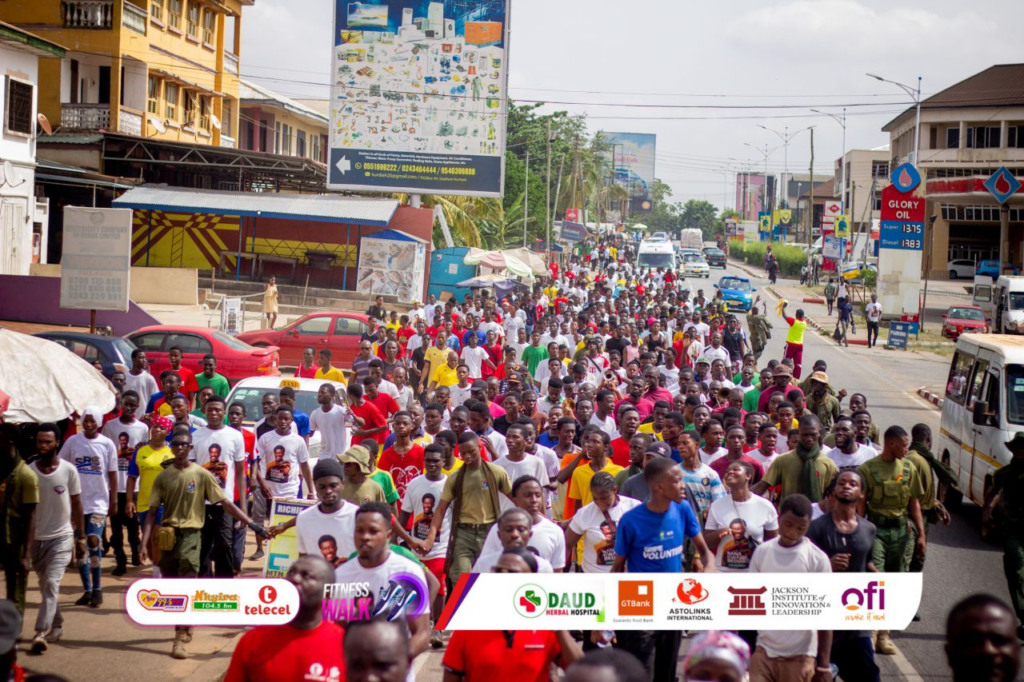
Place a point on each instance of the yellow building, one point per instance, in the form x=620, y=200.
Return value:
x=178, y=62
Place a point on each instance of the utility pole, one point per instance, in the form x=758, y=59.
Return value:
x=810, y=212
x=554, y=207
x=547, y=196
x=526, y=196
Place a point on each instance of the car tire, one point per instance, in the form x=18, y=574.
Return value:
x=952, y=274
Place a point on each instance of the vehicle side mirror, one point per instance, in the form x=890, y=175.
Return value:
x=715, y=285
x=754, y=289
x=980, y=413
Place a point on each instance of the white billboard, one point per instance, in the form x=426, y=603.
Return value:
x=96, y=260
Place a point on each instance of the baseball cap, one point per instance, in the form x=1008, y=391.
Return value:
x=10, y=626
x=357, y=454
x=703, y=360
x=660, y=449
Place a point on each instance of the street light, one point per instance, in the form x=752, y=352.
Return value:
x=916, y=95
x=785, y=137
x=766, y=154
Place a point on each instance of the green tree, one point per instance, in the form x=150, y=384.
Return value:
x=700, y=214
x=665, y=215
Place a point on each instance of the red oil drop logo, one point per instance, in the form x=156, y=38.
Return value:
x=1002, y=184
x=905, y=179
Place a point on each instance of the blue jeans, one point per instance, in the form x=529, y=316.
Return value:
x=90, y=569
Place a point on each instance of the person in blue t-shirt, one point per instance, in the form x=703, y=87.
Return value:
x=650, y=539
x=300, y=418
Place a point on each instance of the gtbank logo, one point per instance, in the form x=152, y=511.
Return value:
x=853, y=598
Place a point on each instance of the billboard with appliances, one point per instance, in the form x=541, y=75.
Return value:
x=632, y=156
x=418, y=96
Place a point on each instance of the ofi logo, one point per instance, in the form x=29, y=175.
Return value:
x=871, y=598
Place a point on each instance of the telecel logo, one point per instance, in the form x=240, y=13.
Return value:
x=871, y=598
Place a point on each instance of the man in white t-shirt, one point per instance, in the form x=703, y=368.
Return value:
x=282, y=454
x=475, y=357
x=873, y=314
x=739, y=522
x=848, y=454
x=95, y=457
x=139, y=380
x=516, y=462
x=396, y=585
x=220, y=450
x=791, y=654
x=328, y=527
x=547, y=540
x=331, y=420
x=514, y=526
x=127, y=433
x=460, y=392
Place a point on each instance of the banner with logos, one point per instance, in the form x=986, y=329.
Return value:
x=211, y=601
x=684, y=601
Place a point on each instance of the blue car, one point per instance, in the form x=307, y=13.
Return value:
x=112, y=352
x=737, y=292
x=990, y=268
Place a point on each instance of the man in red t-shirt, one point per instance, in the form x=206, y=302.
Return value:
x=404, y=459
x=522, y=655
x=370, y=423
x=188, y=377
x=382, y=401
x=629, y=422
x=293, y=651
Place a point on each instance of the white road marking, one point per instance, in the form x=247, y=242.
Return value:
x=905, y=667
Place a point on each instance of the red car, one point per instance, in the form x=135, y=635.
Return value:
x=236, y=360
x=340, y=332
x=964, y=318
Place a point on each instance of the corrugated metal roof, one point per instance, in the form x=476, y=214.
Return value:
x=251, y=92
x=330, y=208
x=70, y=138
x=1001, y=85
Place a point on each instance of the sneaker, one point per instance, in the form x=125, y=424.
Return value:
x=178, y=650
x=257, y=555
x=884, y=644
x=120, y=570
x=54, y=634
x=186, y=636
x=84, y=600
x=38, y=644
x=97, y=599
x=436, y=640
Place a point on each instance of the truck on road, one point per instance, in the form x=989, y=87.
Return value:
x=692, y=238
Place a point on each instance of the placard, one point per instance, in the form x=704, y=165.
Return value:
x=96, y=261
x=899, y=334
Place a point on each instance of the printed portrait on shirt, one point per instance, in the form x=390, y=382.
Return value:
x=605, y=549
x=421, y=527
x=329, y=549
x=738, y=547
x=216, y=466
x=124, y=453
x=279, y=471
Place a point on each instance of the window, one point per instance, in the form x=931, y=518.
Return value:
x=956, y=387
x=1015, y=394
x=204, y=113
x=156, y=9
x=193, y=20
x=227, y=117
x=1015, y=136
x=149, y=342
x=154, y=96
x=346, y=326
x=300, y=143
x=286, y=140
x=277, y=138
x=952, y=138
x=209, y=22
x=315, y=326
x=86, y=351
x=18, y=119
x=189, y=343
x=174, y=13
x=980, y=370
x=879, y=169
x=190, y=108
x=983, y=137
x=315, y=155
x=877, y=203
x=171, y=95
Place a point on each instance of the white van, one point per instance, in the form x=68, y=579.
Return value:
x=983, y=409
x=656, y=254
x=1003, y=301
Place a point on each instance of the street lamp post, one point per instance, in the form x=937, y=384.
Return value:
x=766, y=153
x=842, y=157
x=785, y=137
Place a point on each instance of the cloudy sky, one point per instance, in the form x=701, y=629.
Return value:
x=701, y=75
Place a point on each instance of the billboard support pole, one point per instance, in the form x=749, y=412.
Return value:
x=810, y=211
x=547, y=194
x=526, y=197
x=415, y=199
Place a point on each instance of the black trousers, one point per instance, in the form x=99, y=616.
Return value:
x=855, y=658
x=872, y=333
x=217, y=544
x=118, y=525
x=657, y=650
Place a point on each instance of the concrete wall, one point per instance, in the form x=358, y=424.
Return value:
x=168, y=286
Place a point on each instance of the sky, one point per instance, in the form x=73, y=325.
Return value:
x=700, y=75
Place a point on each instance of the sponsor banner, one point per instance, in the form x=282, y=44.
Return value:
x=418, y=96
x=211, y=601
x=283, y=550
x=705, y=601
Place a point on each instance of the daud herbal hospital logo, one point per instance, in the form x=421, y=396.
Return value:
x=530, y=601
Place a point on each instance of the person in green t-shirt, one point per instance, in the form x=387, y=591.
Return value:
x=382, y=478
x=209, y=377
x=205, y=393
x=534, y=353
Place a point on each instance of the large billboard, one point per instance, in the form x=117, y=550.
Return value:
x=633, y=167
x=418, y=96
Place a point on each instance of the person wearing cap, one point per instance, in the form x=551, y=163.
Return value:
x=820, y=403
x=782, y=377
x=795, y=338
x=95, y=457
x=358, y=487
x=1004, y=507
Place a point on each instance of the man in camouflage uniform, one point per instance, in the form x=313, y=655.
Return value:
x=819, y=403
x=893, y=491
x=760, y=328
x=1004, y=505
x=931, y=507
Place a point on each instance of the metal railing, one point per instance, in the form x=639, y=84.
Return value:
x=134, y=18
x=231, y=63
x=88, y=14
x=85, y=116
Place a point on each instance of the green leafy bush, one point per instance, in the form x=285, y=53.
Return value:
x=791, y=258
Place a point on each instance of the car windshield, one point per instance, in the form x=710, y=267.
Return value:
x=693, y=258
x=124, y=349
x=1016, y=300
x=656, y=260
x=967, y=314
x=715, y=252
x=739, y=284
x=252, y=398
x=231, y=342
x=1015, y=394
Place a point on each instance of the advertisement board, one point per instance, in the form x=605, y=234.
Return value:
x=633, y=167
x=418, y=96
x=96, y=264
x=390, y=267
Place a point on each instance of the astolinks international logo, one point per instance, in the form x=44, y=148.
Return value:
x=870, y=598
x=533, y=601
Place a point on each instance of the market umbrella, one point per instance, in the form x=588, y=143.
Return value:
x=531, y=259
x=637, y=226
x=486, y=282
x=45, y=382
x=496, y=260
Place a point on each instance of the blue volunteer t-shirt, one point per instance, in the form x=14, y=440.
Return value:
x=653, y=542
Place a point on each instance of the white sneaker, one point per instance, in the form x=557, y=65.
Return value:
x=38, y=644
x=54, y=634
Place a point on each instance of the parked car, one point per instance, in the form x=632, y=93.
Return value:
x=990, y=268
x=250, y=393
x=961, y=268
x=340, y=332
x=694, y=265
x=112, y=352
x=715, y=257
x=737, y=292
x=236, y=359
x=963, y=318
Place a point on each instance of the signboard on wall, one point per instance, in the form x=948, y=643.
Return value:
x=391, y=267
x=633, y=167
x=418, y=96
x=96, y=261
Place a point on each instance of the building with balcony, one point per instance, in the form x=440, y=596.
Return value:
x=22, y=216
x=867, y=174
x=273, y=123
x=968, y=131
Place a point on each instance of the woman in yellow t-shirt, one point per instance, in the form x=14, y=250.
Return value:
x=147, y=463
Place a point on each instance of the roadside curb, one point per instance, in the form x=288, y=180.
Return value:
x=933, y=398
x=814, y=323
x=745, y=268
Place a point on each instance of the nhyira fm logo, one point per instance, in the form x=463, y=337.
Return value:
x=853, y=599
x=530, y=601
